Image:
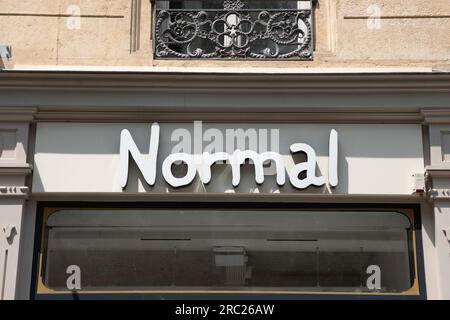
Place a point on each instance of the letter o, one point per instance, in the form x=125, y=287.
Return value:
x=167, y=169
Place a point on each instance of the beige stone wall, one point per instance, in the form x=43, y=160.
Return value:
x=412, y=33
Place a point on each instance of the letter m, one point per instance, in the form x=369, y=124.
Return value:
x=145, y=163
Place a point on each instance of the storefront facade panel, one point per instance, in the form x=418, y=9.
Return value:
x=345, y=191
x=234, y=148
x=228, y=244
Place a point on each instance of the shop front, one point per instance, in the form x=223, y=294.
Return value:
x=223, y=186
x=227, y=209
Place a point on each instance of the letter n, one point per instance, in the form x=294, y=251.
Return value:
x=146, y=164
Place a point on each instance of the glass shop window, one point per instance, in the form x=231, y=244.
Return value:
x=239, y=250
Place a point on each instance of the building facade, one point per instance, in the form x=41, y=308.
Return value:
x=282, y=149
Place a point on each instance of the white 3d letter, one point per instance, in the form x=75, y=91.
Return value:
x=239, y=158
x=279, y=164
x=333, y=159
x=208, y=160
x=309, y=166
x=146, y=164
x=167, y=169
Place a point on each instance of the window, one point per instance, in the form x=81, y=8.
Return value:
x=246, y=250
x=233, y=29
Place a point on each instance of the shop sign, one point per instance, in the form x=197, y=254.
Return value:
x=147, y=163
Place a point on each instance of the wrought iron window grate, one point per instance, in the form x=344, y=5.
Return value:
x=233, y=29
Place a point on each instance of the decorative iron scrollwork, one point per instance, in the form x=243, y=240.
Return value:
x=233, y=33
x=233, y=4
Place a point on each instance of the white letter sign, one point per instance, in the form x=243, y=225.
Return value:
x=147, y=163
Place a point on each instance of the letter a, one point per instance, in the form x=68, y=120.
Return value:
x=309, y=166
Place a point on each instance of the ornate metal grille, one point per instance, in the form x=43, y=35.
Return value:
x=234, y=31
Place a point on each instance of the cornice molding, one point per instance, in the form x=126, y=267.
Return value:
x=15, y=169
x=236, y=197
x=436, y=116
x=225, y=82
x=175, y=114
x=438, y=171
x=34, y=96
x=17, y=114
x=280, y=116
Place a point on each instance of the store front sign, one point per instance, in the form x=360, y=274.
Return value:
x=285, y=158
x=301, y=175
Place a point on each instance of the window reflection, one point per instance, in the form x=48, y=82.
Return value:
x=233, y=250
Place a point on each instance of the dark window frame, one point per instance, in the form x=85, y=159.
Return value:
x=40, y=241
